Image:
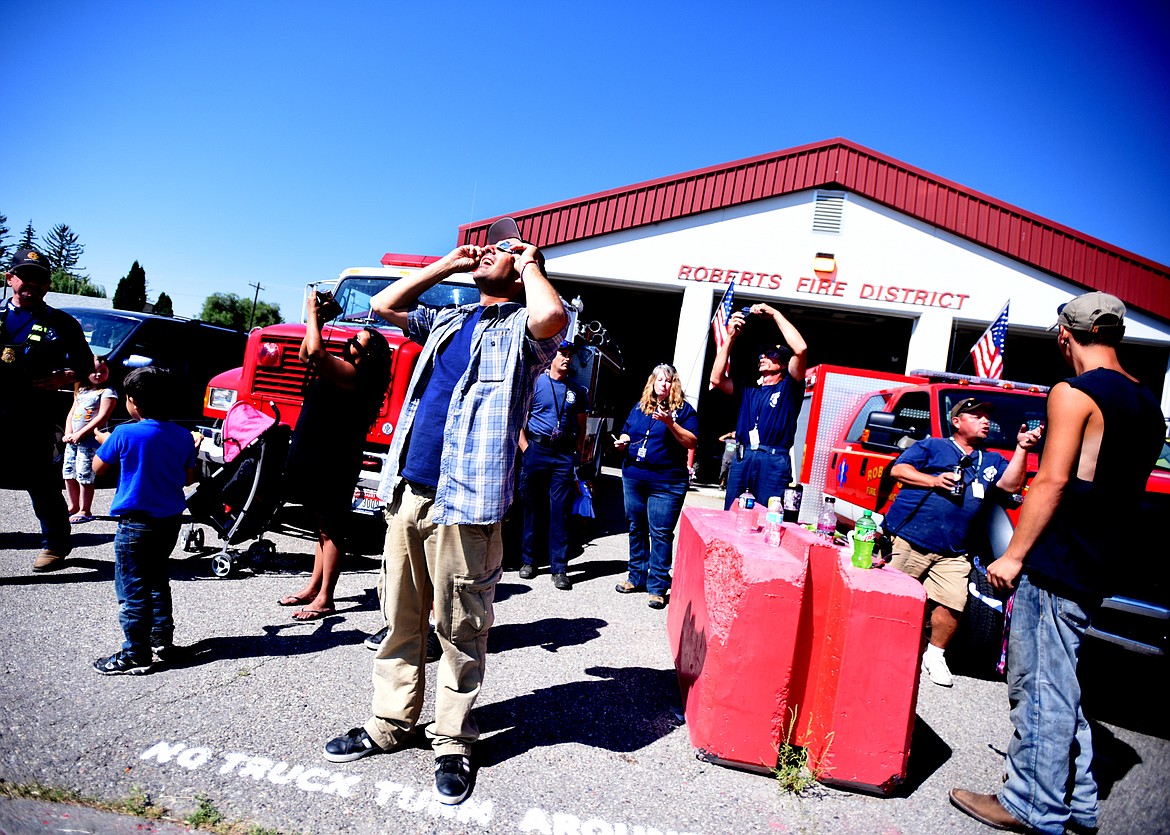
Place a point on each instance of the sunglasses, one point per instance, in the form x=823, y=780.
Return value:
x=361, y=349
x=506, y=246
x=772, y=355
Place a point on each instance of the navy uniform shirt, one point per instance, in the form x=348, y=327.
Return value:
x=772, y=410
x=932, y=519
x=665, y=459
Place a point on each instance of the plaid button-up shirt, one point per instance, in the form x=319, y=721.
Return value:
x=488, y=407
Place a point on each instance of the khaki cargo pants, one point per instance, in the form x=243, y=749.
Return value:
x=456, y=566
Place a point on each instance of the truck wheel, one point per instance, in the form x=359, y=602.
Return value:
x=221, y=564
x=975, y=648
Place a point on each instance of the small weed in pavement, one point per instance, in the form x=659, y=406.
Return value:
x=205, y=816
x=793, y=772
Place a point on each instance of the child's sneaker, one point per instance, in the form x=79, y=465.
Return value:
x=120, y=663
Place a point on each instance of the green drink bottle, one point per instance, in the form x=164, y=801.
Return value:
x=864, y=535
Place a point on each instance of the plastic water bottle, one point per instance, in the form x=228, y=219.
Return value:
x=827, y=521
x=772, y=528
x=864, y=536
x=745, y=513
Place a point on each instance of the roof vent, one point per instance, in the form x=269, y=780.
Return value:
x=830, y=206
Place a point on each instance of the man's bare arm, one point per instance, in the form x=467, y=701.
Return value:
x=1069, y=411
x=720, y=378
x=395, y=302
x=546, y=311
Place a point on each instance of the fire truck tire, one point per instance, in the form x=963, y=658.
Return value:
x=975, y=648
x=221, y=564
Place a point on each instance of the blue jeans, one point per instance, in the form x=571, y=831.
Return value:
x=652, y=509
x=546, y=483
x=763, y=474
x=1052, y=740
x=142, y=550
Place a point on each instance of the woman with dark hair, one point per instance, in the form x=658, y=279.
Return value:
x=342, y=399
x=661, y=429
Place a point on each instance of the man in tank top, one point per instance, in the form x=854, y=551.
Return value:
x=1105, y=431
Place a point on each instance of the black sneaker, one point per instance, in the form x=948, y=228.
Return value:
x=527, y=571
x=452, y=778
x=354, y=745
x=374, y=641
x=434, y=648
x=562, y=582
x=121, y=664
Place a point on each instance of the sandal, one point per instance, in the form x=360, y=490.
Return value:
x=293, y=600
x=313, y=614
x=80, y=519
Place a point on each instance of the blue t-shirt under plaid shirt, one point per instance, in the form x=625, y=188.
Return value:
x=488, y=407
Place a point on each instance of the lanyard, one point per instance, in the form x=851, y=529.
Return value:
x=964, y=454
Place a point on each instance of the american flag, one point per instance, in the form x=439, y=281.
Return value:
x=988, y=351
x=723, y=316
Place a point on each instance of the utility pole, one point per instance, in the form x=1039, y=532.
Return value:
x=255, y=298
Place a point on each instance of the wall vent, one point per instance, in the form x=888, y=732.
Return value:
x=827, y=212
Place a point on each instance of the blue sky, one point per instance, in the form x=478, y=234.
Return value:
x=221, y=144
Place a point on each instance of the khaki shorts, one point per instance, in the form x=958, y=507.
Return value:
x=944, y=578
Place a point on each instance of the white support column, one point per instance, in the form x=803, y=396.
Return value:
x=1166, y=395
x=930, y=341
x=690, y=345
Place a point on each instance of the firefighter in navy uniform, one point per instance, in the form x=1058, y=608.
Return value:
x=41, y=350
x=550, y=443
x=768, y=410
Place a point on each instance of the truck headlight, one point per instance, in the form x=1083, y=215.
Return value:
x=221, y=399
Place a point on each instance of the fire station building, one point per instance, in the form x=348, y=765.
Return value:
x=880, y=265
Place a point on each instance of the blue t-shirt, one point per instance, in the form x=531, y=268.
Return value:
x=665, y=459
x=152, y=458
x=931, y=519
x=430, y=421
x=773, y=410
x=555, y=407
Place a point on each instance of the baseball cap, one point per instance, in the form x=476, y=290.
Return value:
x=1090, y=312
x=971, y=404
x=30, y=259
x=567, y=346
x=503, y=229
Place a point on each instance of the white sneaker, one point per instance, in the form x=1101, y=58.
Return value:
x=936, y=667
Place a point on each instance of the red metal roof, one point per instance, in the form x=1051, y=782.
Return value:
x=840, y=164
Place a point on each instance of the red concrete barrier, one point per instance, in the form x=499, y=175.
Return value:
x=760, y=634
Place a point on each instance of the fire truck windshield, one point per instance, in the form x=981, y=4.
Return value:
x=354, y=295
x=1012, y=409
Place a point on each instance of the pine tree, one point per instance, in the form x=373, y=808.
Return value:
x=29, y=239
x=164, y=306
x=130, y=294
x=4, y=232
x=64, y=249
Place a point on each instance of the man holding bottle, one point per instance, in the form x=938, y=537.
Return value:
x=944, y=484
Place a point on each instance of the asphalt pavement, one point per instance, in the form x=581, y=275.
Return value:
x=579, y=714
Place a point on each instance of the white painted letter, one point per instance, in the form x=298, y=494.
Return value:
x=596, y=826
x=341, y=785
x=303, y=780
x=192, y=758
x=162, y=752
x=535, y=820
x=278, y=776
x=385, y=789
x=564, y=824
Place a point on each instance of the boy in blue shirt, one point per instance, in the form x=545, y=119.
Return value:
x=155, y=460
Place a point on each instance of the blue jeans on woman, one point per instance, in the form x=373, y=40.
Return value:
x=652, y=509
x=1052, y=737
x=142, y=581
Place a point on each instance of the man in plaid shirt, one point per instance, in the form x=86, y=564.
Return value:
x=447, y=482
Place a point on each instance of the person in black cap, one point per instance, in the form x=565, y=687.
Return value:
x=766, y=428
x=41, y=350
x=447, y=481
x=550, y=442
x=1105, y=432
x=932, y=514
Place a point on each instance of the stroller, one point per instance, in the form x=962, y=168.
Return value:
x=240, y=498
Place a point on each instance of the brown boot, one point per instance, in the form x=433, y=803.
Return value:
x=987, y=809
x=49, y=560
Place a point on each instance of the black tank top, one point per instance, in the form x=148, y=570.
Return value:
x=1082, y=552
